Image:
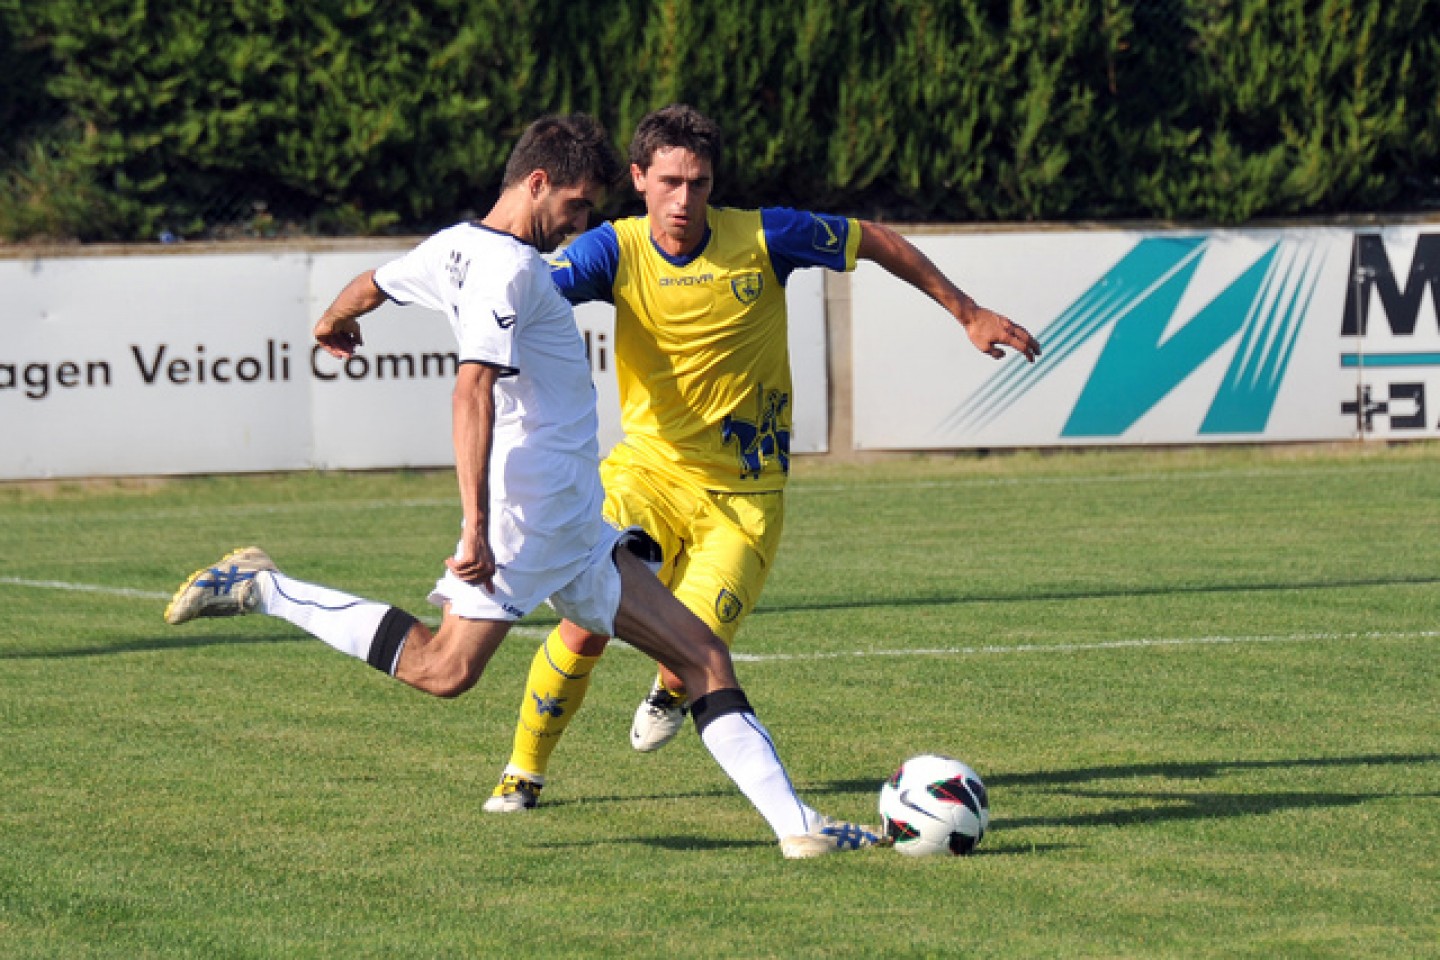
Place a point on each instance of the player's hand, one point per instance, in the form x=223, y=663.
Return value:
x=990, y=331
x=474, y=563
x=338, y=335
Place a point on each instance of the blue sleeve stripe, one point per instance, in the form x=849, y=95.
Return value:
x=798, y=238
x=586, y=269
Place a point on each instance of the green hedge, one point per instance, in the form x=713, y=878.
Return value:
x=126, y=119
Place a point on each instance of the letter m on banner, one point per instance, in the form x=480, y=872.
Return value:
x=1144, y=359
x=1370, y=266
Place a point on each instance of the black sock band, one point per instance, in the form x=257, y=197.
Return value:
x=713, y=706
x=394, y=628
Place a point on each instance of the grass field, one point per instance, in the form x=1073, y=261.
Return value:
x=1202, y=686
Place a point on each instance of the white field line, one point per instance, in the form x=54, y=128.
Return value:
x=988, y=650
x=83, y=588
x=523, y=630
x=1140, y=642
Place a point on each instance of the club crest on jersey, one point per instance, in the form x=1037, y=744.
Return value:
x=727, y=606
x=747, y=287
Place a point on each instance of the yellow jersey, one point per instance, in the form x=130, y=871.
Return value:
x=701, y=342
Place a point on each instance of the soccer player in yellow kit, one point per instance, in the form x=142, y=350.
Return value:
x=703, y=367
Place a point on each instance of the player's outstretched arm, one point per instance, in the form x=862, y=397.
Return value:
x=338, y=329
x=988, y=330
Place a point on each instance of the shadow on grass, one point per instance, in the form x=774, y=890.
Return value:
x=1142, y=805
x=693, y=844
x=150, y=645
x=675, y=842
x=1163, y=807
x=1165, y=804
x=1201, y=769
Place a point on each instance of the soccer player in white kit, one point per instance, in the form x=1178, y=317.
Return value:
x=527, y=464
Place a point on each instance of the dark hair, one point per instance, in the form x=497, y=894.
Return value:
x=572, y=149
x=677, y=125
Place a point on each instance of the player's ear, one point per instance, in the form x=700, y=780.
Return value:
x=637, y=177
x=537, y=183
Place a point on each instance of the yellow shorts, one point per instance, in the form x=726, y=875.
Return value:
x=719, y=547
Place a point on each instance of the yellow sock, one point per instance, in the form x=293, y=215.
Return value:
x=554, y=691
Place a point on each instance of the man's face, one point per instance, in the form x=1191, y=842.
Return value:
x=562, y=211
x=676, y=188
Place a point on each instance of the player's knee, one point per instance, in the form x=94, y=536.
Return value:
x=580, y=641
x=450, y=687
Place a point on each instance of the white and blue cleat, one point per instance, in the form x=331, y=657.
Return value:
x=831, y=836
x=226, y=589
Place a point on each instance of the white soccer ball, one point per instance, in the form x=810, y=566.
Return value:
x=934, y=805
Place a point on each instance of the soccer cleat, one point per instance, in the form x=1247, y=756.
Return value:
x=514, y=794
x=226, y=589
x=831, y=836
x=658, y=719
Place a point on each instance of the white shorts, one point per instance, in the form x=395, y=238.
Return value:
x=586, y=592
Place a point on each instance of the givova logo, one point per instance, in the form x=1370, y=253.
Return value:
x=1133, y=306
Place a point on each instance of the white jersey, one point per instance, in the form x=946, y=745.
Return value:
x=505, y=310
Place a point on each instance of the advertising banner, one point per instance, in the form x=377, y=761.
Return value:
x=1158, y=337
x=177, y=362
x=153, y=364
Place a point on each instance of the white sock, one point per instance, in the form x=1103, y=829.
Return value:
x=345, y=622
x=741, y=745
